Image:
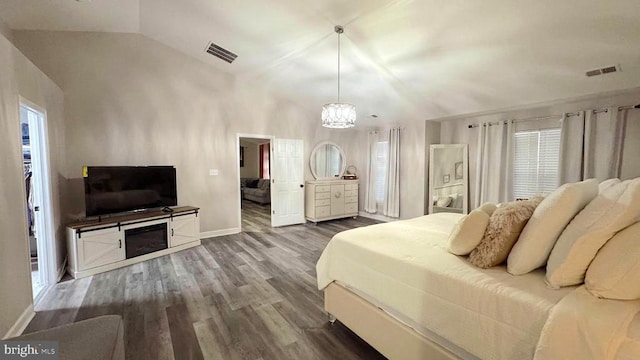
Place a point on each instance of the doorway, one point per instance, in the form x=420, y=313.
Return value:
x=37, y=194
x=255, y=181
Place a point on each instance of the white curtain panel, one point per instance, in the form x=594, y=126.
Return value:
x=392, y=194
x=370, y=204
x=571, y=148
x=494, y=166
x=591, y=145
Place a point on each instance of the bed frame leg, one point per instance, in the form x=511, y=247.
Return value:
x=332, y=319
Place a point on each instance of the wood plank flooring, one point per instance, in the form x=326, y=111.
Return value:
x=250, y=295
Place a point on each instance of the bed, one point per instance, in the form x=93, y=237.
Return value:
x=397, y=287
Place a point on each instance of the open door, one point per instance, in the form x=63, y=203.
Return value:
x=287, y=182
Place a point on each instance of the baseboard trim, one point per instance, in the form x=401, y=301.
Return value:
x=376, y=216
x=22, y=322
x=221, y=232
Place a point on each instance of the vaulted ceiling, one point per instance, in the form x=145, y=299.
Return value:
x=420, y=59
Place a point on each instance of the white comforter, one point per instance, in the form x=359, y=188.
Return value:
x=406, y=268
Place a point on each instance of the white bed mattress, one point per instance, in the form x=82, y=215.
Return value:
x=405, y=266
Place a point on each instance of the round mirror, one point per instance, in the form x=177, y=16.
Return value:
x=327, y=161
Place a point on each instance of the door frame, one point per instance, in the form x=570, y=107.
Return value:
x=254, y=136
x=46, y=241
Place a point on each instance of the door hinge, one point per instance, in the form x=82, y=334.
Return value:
x=36, y=208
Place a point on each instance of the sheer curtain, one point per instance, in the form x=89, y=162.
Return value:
x=392, y=193
x=591, y=145
x=494, y=166
x=370, y=203
x=383, y=173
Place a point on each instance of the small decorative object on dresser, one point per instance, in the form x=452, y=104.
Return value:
x=331, y=199
x=351, y=173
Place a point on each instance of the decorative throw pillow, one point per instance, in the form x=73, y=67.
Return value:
x=615, y=271
x=546, y=224
x=607, y=184
x=505, y=225
x=488, y=207
x=613, y=210
x=468, y=232
x=443, y=201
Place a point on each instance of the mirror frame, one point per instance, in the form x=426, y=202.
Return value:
x=465, y=173
x=311, y=157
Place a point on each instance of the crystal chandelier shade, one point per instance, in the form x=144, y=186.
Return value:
x=338, y=115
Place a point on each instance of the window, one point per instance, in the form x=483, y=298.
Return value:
x=381, y=164
x=536, y=161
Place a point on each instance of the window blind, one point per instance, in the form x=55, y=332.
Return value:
x=536, y=162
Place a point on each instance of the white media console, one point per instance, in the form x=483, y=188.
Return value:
x=105, y=244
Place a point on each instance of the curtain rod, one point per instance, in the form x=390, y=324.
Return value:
x=596, y=111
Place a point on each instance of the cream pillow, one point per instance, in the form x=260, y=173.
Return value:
x=613, y=210
x=505, y=225
x=615, y=271
x=545, y=226
x=488, y=207
x=607, y=184
x=467, y=233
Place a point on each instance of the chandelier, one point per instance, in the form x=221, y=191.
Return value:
x=338, y=115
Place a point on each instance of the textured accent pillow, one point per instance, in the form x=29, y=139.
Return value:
x=545, y=226
x=615, y=271
x=613, y=210
x=468, y=232
x=607, y=184
x=488, y=207
x=505, y=225
x=444, y=201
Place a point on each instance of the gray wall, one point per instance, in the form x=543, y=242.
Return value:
x=130, y=100
x=251, y=166
x=21, y=77
x=456, y=131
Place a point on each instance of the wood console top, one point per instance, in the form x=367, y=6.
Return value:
x=108, y=220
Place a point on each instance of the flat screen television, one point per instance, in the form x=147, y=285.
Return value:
x=115, y=189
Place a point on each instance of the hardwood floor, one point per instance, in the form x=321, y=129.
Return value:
x=251, y=295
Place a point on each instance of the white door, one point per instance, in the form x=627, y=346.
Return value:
x=287, y=182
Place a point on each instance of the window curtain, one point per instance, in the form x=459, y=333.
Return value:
x=392, y=193
x=494, y=166
x=264, y=161
x=591, y=145
x=370, y=204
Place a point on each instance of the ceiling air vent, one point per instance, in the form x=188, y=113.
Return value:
x=604, y=70
x=221, y=53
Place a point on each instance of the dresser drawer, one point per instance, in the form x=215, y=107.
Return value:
x=351, y=193
x=323, y=188
x=323, y=195
x=323, y=211
x=351, y=199
x=351, y=208
x=323, y=202
x=351, y=187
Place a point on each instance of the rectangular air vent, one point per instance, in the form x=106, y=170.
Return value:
x=221, y=53
x=604, y=70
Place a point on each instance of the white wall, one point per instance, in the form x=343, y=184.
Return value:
x=130, y=100
x=21, y=77
x=456, y=131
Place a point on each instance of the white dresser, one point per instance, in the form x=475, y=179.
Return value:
x=331, y=199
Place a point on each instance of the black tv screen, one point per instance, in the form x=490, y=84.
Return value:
x=114, y=189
